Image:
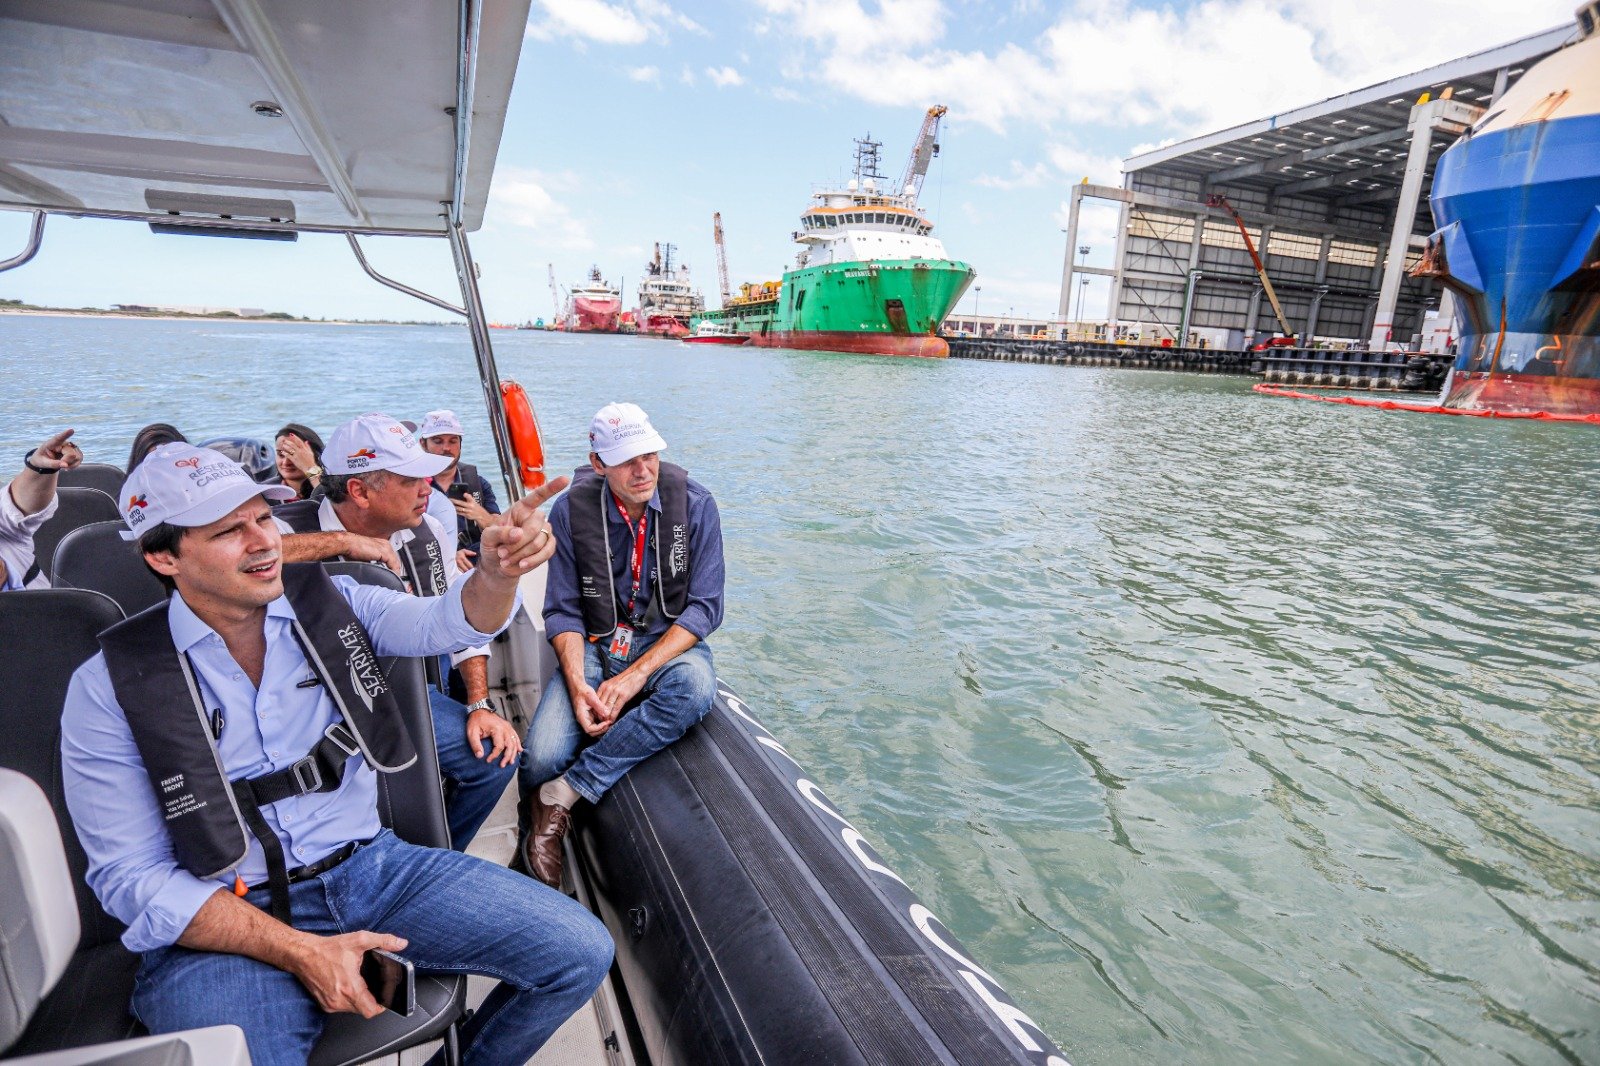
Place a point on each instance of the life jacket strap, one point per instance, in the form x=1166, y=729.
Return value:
x=271, y=850
x=320, y=770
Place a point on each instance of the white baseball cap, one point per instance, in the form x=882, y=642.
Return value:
x=438, y=423
x=621, y=431
x=187, y=486
x=377, y=442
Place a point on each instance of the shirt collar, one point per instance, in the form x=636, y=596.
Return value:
x=616, y=513
x=188, y=630
x=328, y=519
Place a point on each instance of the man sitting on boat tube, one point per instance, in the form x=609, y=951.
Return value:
x=376, y=485
x=220, y=757
x=636, y=672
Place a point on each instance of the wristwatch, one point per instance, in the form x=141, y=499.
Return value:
x=27, y=461
x=314, y=471
x=480, y=705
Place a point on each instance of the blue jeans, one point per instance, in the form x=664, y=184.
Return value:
x=674, y=698
x=474, y=785
x=459, y=914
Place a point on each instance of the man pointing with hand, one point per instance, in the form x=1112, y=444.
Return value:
x=221, y=756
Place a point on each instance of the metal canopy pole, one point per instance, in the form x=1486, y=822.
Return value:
x=31, y=249
x=398, y=286
x=488, y=375
x=469, y=27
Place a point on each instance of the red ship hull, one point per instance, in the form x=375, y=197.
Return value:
x=919, y=345
x=1498, y=391
x=663, y=326
x=596, y=316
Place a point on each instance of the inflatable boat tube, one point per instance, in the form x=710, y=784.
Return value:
x=754, y=924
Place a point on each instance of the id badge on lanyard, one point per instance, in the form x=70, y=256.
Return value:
x=622, y=638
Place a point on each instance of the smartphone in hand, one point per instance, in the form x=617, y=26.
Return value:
x=457, y=491
x=391, y=980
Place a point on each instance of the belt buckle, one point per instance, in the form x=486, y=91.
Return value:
x=300, y=771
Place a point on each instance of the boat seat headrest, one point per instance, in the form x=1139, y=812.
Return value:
x=95, y=557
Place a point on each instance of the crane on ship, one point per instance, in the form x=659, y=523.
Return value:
x=922, y=154
x=555, y=292
x=1218, y=200
x=722, y=257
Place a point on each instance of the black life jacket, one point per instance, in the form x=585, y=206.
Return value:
x=422, y=557
x=590, y=504
x=209, y=817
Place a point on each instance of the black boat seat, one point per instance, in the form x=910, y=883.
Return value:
x=77, y=507
x=96, y=557
x=103, y=476
x=47, y=634
x=411, y=803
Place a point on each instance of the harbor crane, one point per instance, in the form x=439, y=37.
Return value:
x=1218, y=200
x=555, y=292
x=922, y=154
x=722, y=257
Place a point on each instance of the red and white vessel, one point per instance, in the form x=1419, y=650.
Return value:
x=711, y=332
x=666, y=299
x=594, y=307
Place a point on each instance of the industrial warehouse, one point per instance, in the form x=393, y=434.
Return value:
x=1333, y=196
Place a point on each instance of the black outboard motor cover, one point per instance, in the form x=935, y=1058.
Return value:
x=258, y=457
x=753, y=924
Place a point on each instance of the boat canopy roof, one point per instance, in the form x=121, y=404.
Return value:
x=281, y=114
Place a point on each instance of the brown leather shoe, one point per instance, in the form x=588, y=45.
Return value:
x=541, y=848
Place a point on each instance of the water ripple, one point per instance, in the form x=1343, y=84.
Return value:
x=1222, y=730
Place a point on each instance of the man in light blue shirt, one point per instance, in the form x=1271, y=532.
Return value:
x=211, y=952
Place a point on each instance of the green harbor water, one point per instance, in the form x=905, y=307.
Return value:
x=1219, y=728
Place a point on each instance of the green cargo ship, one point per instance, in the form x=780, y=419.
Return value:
x=870, y=276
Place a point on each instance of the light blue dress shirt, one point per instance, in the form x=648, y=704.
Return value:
x=132, y=869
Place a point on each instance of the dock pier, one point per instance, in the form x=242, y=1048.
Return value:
x=1302, y=367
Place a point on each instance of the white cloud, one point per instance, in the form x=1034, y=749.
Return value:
x=1021, y=177
x=686, y=76
x=627, y=22
x=1121, y=62
x=645, y=74
x=723, y=77
x=527, y=198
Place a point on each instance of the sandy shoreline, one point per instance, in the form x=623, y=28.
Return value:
x=53, y=313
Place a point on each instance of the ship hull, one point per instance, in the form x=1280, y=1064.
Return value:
x=921, y=346
x=876, y=307
x=595, y=316
x=1518, y=242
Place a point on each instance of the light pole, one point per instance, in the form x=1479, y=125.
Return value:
x=1083, y=252
x=977, y=324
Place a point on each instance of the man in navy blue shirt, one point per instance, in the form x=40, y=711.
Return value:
x=633, y=591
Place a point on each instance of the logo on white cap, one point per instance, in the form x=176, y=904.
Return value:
x=187, y=486
x=438, y=423
x=622, y=431
x=377, y=442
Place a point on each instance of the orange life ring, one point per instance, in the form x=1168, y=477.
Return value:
x=524, y=429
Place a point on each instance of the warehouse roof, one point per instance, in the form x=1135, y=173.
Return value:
x=1350, y=148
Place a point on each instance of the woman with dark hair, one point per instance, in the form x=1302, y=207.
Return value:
x=150, y=437
x=299, y=458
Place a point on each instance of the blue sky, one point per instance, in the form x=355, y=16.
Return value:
x=633, y=120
